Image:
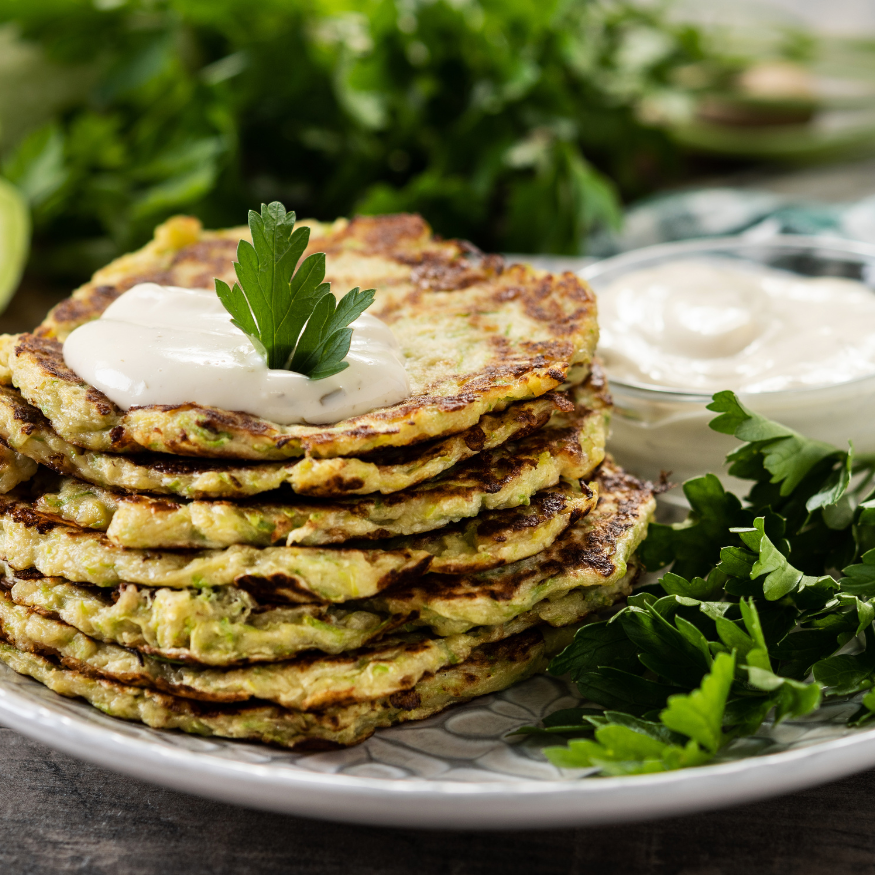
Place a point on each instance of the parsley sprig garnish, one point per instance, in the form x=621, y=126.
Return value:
x=752, y=616
x=287, y=311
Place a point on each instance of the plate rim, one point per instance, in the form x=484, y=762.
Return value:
x=433, y=803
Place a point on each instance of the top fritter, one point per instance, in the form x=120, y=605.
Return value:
x=476, y=335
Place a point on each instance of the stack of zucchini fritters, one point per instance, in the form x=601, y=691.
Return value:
x=208, y=571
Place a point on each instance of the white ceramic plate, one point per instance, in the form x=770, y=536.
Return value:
x=456, y=770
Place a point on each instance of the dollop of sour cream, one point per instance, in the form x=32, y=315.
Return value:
x=709, y=324
x=168, y=345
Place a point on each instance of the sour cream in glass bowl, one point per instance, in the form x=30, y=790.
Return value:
x=786, y=322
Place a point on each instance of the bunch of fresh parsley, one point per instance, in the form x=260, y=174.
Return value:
x=766, y=608
x=290, y=314
x=516, y=125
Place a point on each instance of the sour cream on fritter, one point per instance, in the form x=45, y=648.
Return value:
x=168, y=345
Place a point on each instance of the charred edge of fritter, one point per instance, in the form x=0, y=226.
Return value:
x=223, y=422
x=614, y=479
x=496, y=525
x=75, y=310
x=32, y=519
x=527, y=423
x=595, y=552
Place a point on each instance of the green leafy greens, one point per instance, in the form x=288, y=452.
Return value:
x=765, y=607
x=290, y=314
x=521, y=126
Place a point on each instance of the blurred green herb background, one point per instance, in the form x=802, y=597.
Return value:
x=519, y=124
x=515, y=123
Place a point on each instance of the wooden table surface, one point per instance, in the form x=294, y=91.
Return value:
x=59, y=815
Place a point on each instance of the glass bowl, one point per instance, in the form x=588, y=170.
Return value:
x=656, y=430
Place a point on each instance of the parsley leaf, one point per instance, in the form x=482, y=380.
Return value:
x=786, y=455
x=693, y=546
x=849, y=673
x=813, y=486
x=625, y=746
x=326, y=338
x=699, y=715
x=286, y=310
x=781, y=577
x=859, y=579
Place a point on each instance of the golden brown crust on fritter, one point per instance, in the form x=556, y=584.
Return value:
x=594, y=552
x=29, y=538
x=183, y=254
x=311, y=681
x=491, y=668
x=24, y=428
